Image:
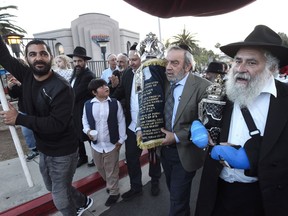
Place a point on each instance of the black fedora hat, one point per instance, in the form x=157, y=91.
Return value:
x=215, y=67
x=262, y=37
x=80, y=52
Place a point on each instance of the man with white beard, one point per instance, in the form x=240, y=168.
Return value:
x=247, y=172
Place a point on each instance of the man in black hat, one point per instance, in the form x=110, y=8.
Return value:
x=80, y=79
x=214, y=71
x=251, y=178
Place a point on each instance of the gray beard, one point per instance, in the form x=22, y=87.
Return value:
x=179, y=77
x=242, y=94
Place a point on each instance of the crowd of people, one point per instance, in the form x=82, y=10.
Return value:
x=245, y=171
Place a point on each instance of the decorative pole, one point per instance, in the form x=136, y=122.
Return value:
x=16, y=139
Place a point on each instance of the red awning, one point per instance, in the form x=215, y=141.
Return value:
x=177, y=8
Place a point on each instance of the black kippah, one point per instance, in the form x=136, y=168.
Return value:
x=185, y=47
x=133, y=47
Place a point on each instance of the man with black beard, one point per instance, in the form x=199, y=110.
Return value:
x=48, y=101
x=252, y=176
x=80, y=79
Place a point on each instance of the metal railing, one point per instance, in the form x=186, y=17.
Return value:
x=97, y=67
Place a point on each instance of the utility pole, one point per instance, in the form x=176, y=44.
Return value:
x=159, y=28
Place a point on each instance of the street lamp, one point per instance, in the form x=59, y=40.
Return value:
x=103, y=45
x=14, y=40
x=102, y=41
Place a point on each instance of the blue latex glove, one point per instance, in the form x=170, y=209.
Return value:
x=236, y=158
x=199, y=134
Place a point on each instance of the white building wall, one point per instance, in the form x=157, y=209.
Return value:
x=127, y=36
x=81, y=33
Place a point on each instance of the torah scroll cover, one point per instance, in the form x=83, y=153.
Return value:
x=151, y=81
x=211, y=109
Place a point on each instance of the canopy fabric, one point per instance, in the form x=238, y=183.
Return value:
x=177, y=8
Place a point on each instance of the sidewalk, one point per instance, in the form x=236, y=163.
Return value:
x=15, y=192
x=98, y=208
x=144, y=205
x=14, y=188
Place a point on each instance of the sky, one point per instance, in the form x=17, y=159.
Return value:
x=40, y=16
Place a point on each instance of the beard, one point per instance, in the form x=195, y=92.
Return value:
x=40, y=71
x=78, y=70
x=178, y=77
x=245, y=94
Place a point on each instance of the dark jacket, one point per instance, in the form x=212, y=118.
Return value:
x=123, y=92
x=272, y=164
x=82, y=94
x=191, y=157
x=49, y=106
x=16, y=92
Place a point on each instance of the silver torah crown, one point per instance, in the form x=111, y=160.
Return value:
x=150, y=47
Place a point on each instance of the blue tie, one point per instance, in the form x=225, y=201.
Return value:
x=168, y=109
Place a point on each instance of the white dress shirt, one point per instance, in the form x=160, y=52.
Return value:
x=177, y=97
x=134, y=106
x=239, y=132
x=100, y=112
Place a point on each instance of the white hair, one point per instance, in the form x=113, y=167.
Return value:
x=244, y=95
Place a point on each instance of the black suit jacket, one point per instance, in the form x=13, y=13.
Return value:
x=82, y=94
x=123, y=92
x=272, y=164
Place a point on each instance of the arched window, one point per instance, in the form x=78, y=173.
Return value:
x=128, y=45
x=59, y=49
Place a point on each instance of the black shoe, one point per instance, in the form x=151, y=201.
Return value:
x=81, y=162
x=155, y=190
x=131, y=194
x=112, y=199
x=91, y=163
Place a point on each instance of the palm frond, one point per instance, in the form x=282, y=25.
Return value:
x=6, y=23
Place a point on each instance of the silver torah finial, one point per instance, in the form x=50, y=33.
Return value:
x=216, y=91
x=211, y=108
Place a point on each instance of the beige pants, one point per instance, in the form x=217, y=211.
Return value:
x=108, y=167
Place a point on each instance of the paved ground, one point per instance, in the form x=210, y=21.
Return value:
x=144, y=205
x=147, y=205
x=15, y=191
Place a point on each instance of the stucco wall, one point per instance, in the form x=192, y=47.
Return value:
x=86, y=25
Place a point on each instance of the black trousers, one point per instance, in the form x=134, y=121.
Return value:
x=238, y=199
x=82, y=151
x=133, y=153
x=178, y=180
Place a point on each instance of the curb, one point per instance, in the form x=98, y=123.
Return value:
x=44, y=205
